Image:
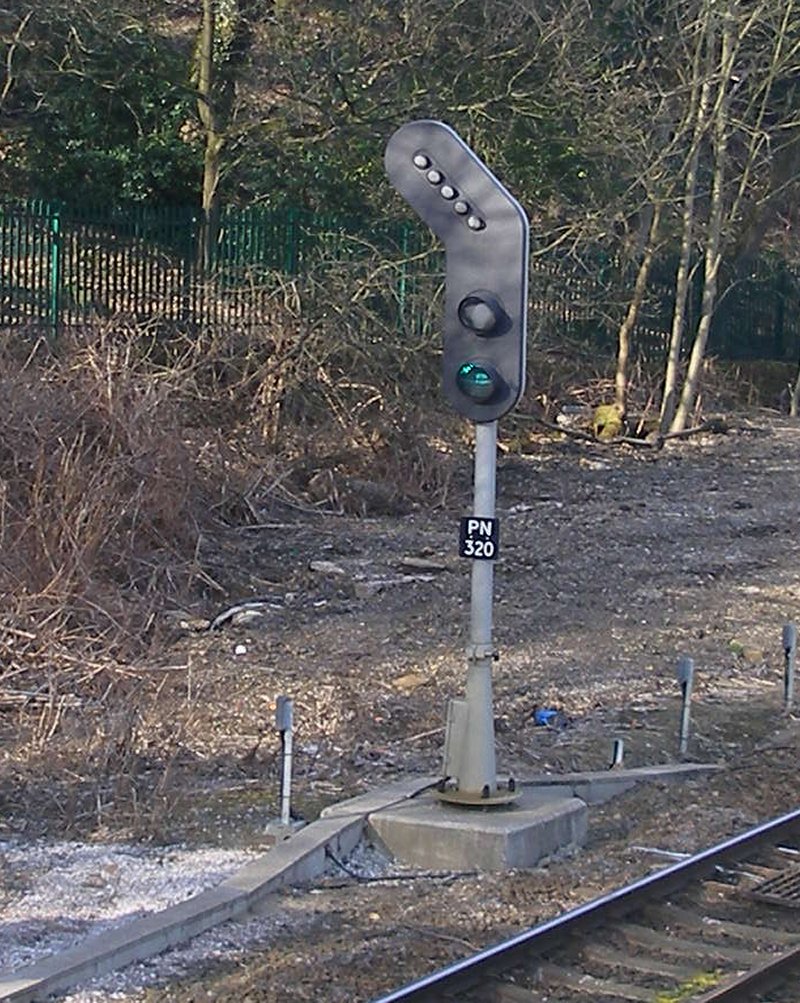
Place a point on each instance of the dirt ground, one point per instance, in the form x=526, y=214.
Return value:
x=614, y=563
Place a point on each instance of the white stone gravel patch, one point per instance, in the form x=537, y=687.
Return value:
x=227, y=941
x=54, y=895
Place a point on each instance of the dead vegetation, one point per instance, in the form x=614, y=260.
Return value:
x=129, y=457
x=126, y=455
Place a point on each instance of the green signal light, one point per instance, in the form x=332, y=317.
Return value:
x=479, y=383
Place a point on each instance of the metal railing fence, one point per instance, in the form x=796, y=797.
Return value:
x=62, y=266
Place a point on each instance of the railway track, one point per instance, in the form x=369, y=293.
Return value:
x=721, y=925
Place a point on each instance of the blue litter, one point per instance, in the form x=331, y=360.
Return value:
x=544, y=715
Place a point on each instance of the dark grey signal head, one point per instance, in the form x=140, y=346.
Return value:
x=485, y=233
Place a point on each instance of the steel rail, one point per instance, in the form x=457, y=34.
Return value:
x=760, y=978
x=539, y=938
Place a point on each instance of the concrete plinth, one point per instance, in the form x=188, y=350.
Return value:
x=425, y=832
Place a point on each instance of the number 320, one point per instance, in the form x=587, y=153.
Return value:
x=479, y=548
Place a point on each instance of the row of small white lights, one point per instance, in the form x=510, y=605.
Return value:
x=436, y=177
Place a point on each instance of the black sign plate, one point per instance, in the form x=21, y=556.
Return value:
x=479, y=538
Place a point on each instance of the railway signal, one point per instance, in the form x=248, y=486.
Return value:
x=485, y=233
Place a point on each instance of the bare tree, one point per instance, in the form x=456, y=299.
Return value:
x=222, y=44
x=744, y=58
x=697, y=122
x=629, y=322
x=721, y=39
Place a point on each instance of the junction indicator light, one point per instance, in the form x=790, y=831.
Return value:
x=485, y=234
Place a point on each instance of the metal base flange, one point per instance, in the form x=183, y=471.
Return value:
x=506, y=793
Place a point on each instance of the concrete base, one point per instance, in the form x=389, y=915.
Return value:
x=425, y=832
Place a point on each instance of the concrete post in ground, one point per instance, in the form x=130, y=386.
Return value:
x=789, y=652
x=469, y=775
x=284, y=720
x=685, y=675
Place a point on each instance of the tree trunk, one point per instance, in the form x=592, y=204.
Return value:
x=794, y=397
x=713, y=251
x=214, y=141
x=628, y=324
x=698, y=110
x=783, y=155
x=222, y=45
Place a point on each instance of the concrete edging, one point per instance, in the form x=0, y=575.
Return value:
x=595, y=787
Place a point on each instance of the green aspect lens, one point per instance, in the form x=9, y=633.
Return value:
x=476, y=382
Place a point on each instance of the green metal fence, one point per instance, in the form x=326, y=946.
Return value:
x=756, y=316
x=66, y=266
x=63, y=266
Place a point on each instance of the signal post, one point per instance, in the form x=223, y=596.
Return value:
x=485, y=233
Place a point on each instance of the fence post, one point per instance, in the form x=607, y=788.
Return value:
x=402, y=282
x=187, y=228
x=291, y=248
x=54, y=291
x=780, y=288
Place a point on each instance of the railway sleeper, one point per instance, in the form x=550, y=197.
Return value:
x=779, y=858
x=750, y=870
x=582, y=982
x=702, y=950
x=759, y=979
x=506, y=992
x=611, y=958
x=676, y=917
x=737, y=904
x=553, y=982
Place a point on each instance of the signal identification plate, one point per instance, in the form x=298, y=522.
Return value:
x=479, y=538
